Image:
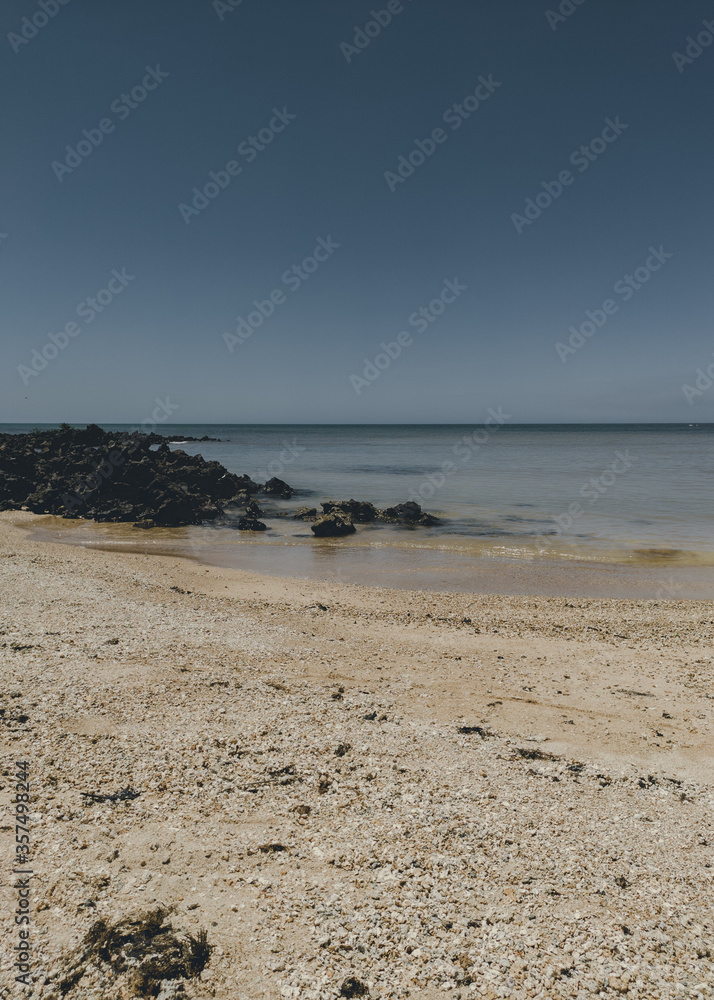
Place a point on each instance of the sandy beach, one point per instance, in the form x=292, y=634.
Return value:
x=354, y=789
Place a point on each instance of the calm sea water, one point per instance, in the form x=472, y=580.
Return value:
x=619, y=495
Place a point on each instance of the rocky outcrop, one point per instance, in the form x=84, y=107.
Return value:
x=113, y=476
x=249, y=523
x=250, y=520
x=408, y=513
x=277, y=488
x=305, y=514
x=357, y=510
x=333, y=525
x=246, y=489
x=180, y=437
x=362, y=512
x=118, y=476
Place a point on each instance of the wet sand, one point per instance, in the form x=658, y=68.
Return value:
x=409, y=560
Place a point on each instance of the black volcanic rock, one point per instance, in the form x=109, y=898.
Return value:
x=277, y=488
x=246, y=484
x=249, y=523
x=333, y=525
x=178, y=437
x=113, y=476
x=358, y=510
x=117, y=476
x=305, y=514
x=409, y=513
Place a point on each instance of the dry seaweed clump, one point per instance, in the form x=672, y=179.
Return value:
x=144, y=949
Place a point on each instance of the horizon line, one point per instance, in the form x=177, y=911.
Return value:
x=444, y=423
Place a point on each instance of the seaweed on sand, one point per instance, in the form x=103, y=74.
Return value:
x=145, y=947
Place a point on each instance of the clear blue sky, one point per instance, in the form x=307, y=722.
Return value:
x=552, y=87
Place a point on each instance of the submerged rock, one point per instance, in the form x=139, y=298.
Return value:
x=333, y=525
x=179, y=437
x=363, y=512
x=357, y=510
x=249, y=523
x=305, y=514
x=277, y=488
x=407, y=513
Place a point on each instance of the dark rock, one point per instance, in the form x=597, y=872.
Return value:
x=358, y=510
x=277, y=488
x=210, y=512
x=253, y=510
x=180, y=437
x=305, y=513
x=332, y=525
x=245, y=483
x=250, y=524
x=240, y=499
x=113, y=476
x=352, y=987
x=407, y=513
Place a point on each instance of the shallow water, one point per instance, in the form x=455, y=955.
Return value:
x=607, y=510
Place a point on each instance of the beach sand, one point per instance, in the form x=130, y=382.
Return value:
x=488, y=796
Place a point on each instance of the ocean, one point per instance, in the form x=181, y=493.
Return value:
x=522, y=508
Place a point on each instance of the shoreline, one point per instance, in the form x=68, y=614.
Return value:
x=327, y=718
x=414, y=565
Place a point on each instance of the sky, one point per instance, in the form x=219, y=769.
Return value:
x=503, y=166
